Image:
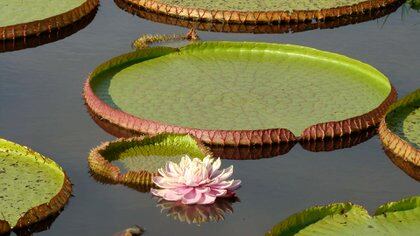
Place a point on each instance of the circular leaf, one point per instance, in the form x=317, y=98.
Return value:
x=25, y=18
x=284, y=27
x=33, y=187
x=258, y=11
x=140, y=158
x=233, y=93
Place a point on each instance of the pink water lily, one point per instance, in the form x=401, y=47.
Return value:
x=195, y=181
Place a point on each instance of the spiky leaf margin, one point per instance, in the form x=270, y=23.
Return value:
x=401, y=152
x=47, y=37
x=257, y=17
x=259, y=28
x=48, y=24
x=43, y=211
x=103, y=170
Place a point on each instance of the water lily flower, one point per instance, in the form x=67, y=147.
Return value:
x=195, y=181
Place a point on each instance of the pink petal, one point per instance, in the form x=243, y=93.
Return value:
x=216, y=165
x=166, y=194
x=235, y=185
x=191, y=198
x=218, y=192
x=166, y=182
x=183, y=190
x=206, y=199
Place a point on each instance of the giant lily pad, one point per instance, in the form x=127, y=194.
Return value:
x=47, y=37
x=395, y=218
x=233, y=93
x=259, y=11
x=25, y=18
x=135, y=161
x=33, y=187
x=283, y=27
x=400, y=134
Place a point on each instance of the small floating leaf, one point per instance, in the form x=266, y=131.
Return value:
x=32, y=187
x=400, y=134
x=395, y=218
x=141, y=157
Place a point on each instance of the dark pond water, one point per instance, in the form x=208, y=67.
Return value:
x=41, y=106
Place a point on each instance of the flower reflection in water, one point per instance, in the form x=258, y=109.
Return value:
x=197, y=214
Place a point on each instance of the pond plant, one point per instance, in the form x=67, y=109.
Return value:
x=248, y=93
x=257, y=11
x=399, y=132
x=141, y=157
x=282, y=27
x=47, y=37
x=26, y=18
x=34, y=189
x=195, y=181
x=394, y=218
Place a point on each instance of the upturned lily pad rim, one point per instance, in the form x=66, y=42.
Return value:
x=104, y=171
x=44, y=211
x=257, y=17
x=298, y=221
x=287, y=27
x=256, y=152
x=26, y=29
x=318, y=131
x=47, y=37
x=401, y=152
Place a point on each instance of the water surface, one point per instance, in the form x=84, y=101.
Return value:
x=41, y=106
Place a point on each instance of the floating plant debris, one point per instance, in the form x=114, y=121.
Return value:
x=146, y=41
x=400, y=134
x=33, y=187
x=198, y=214
x=132, y=231
x=141, y=157
x=232, y=93
x=394, y=218
x=283, y=27
x=25, y=18
x=47, y=37
x=256, y=12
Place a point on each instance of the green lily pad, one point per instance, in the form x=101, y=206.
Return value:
x=395, y=218
x=290, y=27
x=135, y=161
x=263, y=5
x=23, y=18
x=33, y=187
x=45, y=38
x=259, y=11
x=239, y=93
x=400, y=134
